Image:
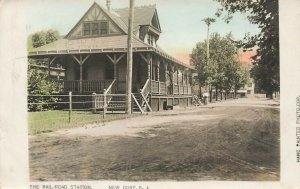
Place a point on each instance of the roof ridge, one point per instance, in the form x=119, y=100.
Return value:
x=141, y=6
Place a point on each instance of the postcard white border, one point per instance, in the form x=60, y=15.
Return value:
x=14, y=171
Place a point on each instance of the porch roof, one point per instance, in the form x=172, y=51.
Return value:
x=99, y=45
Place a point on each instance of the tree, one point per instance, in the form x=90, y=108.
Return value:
x=223, y=71
x=265, y=14
x=41, y=38
x=51, y=35
x=39, y=84
x=38, y=39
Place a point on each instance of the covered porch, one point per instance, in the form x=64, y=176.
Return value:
x=98, y=72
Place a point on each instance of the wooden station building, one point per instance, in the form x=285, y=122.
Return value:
x=94, y=52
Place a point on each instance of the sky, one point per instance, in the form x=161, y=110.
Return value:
x=180, y=20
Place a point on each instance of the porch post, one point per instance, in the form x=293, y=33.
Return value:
x=115, y=60
x=115, y=71
x=148, y=60
x=188, y=82
x=166, y=77
x=50, y=61
x=183, y=81
x=183, y=77
x=80, y=61
x=158, y=63
x=81, y=75
x=172, y=78
x=151, y=64
x=189, y=78
x=166, y=72
x=177, y=71
x=149, y=68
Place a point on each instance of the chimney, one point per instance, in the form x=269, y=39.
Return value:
x=108, y=2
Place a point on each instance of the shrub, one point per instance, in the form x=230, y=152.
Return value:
x=40, y=84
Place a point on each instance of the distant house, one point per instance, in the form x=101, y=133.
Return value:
x=248, y=89
x=94, y=52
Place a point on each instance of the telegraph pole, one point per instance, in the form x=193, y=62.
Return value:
x=129, y=58
x=208, y=22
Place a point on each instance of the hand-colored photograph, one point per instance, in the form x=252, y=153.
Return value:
x=153, y=90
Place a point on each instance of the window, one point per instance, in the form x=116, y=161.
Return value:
x=149, y=39
x=95, y=28
x=104, y=28
x=86, y=29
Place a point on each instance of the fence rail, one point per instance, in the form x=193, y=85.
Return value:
x=94, y=103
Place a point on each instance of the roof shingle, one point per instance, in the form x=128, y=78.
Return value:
x=142, y=15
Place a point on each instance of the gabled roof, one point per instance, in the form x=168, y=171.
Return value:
x=143, y=15
x=113, y=18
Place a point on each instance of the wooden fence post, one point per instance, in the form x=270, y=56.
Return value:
x=70, y=105
x=104, y=103
x=94, y=101
x=158, y=87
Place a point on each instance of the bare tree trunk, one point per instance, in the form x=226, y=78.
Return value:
x=221, y=94
x=269, y=94
x=200, y=91
x=234, y=93
x=210, y=94
x=216, y=94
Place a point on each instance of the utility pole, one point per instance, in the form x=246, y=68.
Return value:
x=208, y=22
x=129, y=58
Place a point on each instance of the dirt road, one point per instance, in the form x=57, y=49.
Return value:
x=232, y=140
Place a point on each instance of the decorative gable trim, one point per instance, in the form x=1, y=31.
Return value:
x=105, y=13
x=155, y=18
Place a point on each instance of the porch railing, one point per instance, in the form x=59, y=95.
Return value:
x=73, y=86
x=163, y=88
x=175, y=89
x=121, y=86
x=158, y=87
x=155, y=87
x=189, y=90
x=182, y=89
x=87, y=85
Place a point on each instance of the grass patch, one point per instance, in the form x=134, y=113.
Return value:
x=48, y=121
